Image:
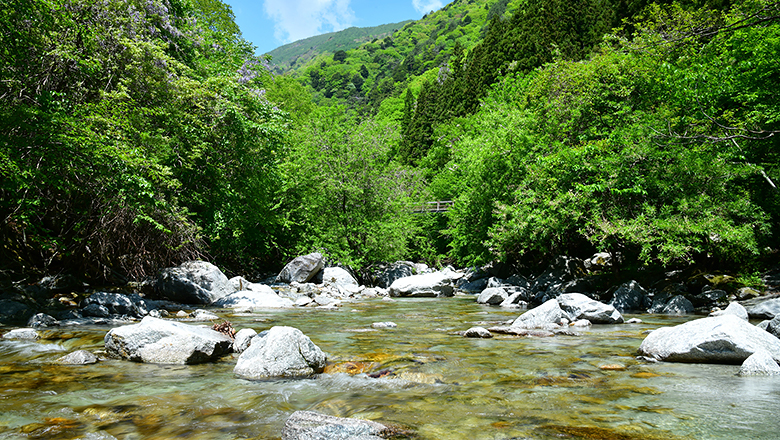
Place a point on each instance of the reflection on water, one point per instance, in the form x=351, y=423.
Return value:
x=419, y=375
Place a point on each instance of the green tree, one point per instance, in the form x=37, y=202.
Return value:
x=356, y=202
x=135, y=136
x=339, y=56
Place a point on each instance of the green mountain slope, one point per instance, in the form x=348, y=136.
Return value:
x=384, y=68
x=287, y=57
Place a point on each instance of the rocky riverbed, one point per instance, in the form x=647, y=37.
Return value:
x=419, y=353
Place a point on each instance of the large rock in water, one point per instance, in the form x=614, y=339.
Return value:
x=492, y=296
x=158, y=341
x=260, y=297
x=194, y=282
x=280, y=352
x=436, y=284
x=724, y=339
x=301, y=269
x=308, y=425
x=541, y=317
x=579, y=306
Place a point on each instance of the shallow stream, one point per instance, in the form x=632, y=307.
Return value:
x=429, y=380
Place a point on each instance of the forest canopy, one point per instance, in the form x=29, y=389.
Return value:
x=140, y=134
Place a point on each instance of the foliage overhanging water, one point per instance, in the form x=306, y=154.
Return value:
x=431, y=381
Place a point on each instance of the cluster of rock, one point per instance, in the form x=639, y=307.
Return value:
x=724, y=338
x=555, y=316
x=278, y=352
x=675, y=293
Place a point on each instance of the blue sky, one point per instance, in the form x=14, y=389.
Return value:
x=269, y=24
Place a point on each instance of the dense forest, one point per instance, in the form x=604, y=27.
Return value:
x=137, y=134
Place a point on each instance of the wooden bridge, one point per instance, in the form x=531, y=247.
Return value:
x=433, y=207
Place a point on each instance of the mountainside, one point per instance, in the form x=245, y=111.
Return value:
x=287, y=57
x=383, y=68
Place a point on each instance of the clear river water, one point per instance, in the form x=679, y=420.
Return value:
x=420, y=376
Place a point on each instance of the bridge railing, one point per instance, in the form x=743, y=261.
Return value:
x=437, y=206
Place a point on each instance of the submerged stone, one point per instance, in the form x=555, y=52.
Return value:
x=308, y=425
x=80, y=357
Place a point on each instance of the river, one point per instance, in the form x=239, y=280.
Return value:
x=430, y=380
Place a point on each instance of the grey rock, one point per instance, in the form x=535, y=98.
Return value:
x=436, y=284
x=744, y=293
x=579, y=306
x=261, y=298
x=678, y=305
x=541, y=317
x=634, y=321
x=759, y=363
x=598, y=262
x=80, y=357
x=720, y=339
x=386, y=324
x=158, y=341
x=373, y=292
x=40, y=320
x=474, y=286
x=94, y=320
x=518, y=281
x=95, y=310
x=116, y=304
x=494, y=282
x=203, y=315
x=552, y=282
x=338, y=277
x=384, y=275
x=478, y=332
x=280, y=352
x=765, y=310
x=307, y=425
x=714, y=295
x=735, y=309
x=492, y=296
x=28, y=334
x=516, y=299
x=324, y=300
x=65, y=315
x=13, y=311
x=630, y=296
x=194, y=282
x=243, y=339
x=303, y=301
x=301, y=269
x=239, y=283
x=773, y=326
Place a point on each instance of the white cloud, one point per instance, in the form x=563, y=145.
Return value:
x=426, y=6
x=298, y=19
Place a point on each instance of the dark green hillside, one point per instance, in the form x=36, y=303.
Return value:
x=287, y=57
